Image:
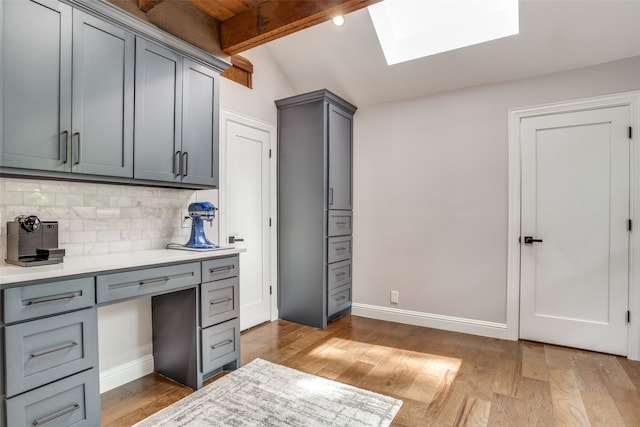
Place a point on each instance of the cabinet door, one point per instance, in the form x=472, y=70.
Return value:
x=35, y=84
x=158, y=110
x=200, y=125
x=339, y=133
x=103, y=67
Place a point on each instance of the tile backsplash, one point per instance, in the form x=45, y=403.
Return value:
x=102, y=218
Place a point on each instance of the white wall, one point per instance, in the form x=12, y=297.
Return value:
x=430, y=197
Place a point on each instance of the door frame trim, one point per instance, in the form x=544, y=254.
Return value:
x=226, y=116
x=516, y=115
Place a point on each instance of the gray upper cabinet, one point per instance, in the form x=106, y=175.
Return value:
x=102, y=109
x=176, y=129
x=36, y=84
x=44, y=127
x=340, y=164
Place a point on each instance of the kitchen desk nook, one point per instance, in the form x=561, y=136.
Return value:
x=48, y=332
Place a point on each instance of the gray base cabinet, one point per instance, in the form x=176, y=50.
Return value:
x=315, y=200
x=48, y=335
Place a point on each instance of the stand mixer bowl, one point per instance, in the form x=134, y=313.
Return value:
x=200, y=212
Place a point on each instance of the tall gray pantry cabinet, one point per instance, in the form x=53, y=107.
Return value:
x=315, y=138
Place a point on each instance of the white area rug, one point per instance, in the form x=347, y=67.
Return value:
x=262, y=393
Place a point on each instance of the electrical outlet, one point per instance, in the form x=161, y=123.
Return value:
x=185, y=219
x=394, y=297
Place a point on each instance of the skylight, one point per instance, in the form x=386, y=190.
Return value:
x=410, y=29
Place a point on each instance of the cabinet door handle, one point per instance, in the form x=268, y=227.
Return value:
x=78, y=149
x=153, y=281
x=64, y=147
x=220, y=344
x=330, y=196
x=49, y=299
x=43, y=421
x=177, y=163
x=220, y=269
x=64, y=347
x=220, y=301
x=186, y=163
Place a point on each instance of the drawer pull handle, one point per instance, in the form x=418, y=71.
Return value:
x=220, y=301
x=342, y=273
x=341, y=223
x=220, y=344
x=341, y=298
x=220, y=269
x=152, y=281
x=50, y=299
x=54, y=416
x=341, y=249
x=43, y=353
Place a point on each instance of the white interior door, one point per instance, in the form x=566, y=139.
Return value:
x=575, y=201
x=247, y=216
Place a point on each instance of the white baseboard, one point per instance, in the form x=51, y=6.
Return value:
x=436, y=321
x=122, y=374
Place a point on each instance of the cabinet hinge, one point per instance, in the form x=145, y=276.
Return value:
x=270, y=290
x=629, y=225
x=630, y=133
x=628, y=316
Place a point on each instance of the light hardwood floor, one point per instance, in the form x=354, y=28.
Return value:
x=443, y=378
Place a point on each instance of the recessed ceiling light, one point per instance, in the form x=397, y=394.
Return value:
x=410, y=29
x=338, y=20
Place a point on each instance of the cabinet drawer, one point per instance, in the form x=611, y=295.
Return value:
x=220, y=345
x=28, y=302
x=339, y=273
x=73, y=401
x=339, y=248
x=219, y=301
x=221, y=268
x=131, y=284
x=339, y=299
x=340, y=223
x=44, y=350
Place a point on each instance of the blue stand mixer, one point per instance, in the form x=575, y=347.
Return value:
x=200, y=212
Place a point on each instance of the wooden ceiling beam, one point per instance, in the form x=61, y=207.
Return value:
x=147, y=5
x=273, y=19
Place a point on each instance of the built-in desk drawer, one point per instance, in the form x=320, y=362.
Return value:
x=148, y=281
x=41, y=351
x=73, y=401
x=339, y=248
x=220, y=345
x=339, y=273
x=219, y=301
x=340, y=223
x=28, y=302
x=220, y=268
x=339, y=299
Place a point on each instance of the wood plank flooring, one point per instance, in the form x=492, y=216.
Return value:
x=444, y=378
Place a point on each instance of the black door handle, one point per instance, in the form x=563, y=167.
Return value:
x=528, y=240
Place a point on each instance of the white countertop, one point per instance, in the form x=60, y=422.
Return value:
x=98, y=263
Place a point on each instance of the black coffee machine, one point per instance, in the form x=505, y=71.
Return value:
x=32, y=242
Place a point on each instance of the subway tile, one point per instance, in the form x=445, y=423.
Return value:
x=96, y=248
x=95, y=200
x=95, y=224
x=141, y=245
x=131, y=234
x=83, y=212
x=70, y=199
x=107, y=213
x=120, y=201
x=11, y=198
x=82, y=236
x=39, y=198
x=108, y=235
x=55, y=187
x=73, y=249
x=120, y=246
x=21, y=185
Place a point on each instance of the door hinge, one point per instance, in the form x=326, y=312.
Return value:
x=628, y=316
x=270, y=290
x=629, y=225
x=630, y=133
x=270, y=150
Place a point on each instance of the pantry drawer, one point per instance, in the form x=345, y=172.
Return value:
x=148, y=281
x=339, y=248
x=220, y=268
x=219, y=301
x=339, y=299
x=31, y=301
x=220, y=345
x=73, y=401
x=42, y=351
x=339, y=273
x=340, y=223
